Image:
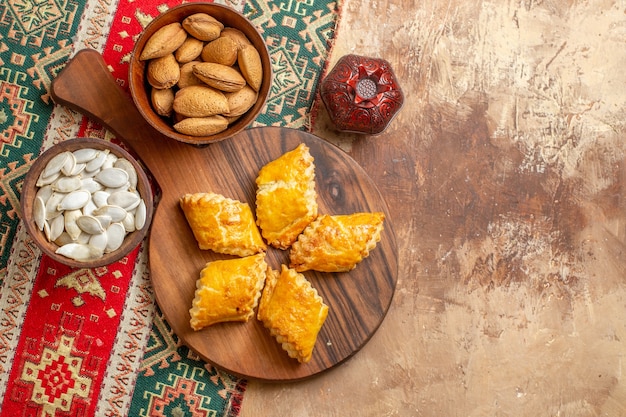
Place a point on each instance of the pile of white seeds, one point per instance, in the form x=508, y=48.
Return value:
x=87, y=202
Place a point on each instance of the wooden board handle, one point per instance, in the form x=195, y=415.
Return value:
x=86, y=85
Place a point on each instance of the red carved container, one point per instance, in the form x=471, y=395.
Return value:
x=361, y=94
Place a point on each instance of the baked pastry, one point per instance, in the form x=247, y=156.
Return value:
x=228, y=290
x=336, y=243
x=286, y=200
x=293, y=311
x=221, y=224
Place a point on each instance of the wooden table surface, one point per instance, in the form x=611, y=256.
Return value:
x=505, y=173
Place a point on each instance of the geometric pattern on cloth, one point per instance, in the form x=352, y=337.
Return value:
x=93, y=342
x=176, y=382
x=298, y=35
x=66, y=338
x=34, y=46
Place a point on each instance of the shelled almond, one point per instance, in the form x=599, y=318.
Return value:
x=203, y=75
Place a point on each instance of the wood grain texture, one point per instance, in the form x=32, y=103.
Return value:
x=358, y=301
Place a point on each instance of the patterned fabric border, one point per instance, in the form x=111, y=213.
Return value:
x=34, y=44
x=299, y=36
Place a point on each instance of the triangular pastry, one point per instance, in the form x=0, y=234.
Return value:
x=221, y=224
x=293, y=311
x=336, y=243
x=286, y=200
x=228, y=290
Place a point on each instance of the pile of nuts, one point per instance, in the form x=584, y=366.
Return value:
x=203, y=75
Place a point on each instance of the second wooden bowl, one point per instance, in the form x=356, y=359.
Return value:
x=140, y=88
x=30, y=189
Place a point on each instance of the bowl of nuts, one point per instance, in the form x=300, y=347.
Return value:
x=86, y=202
x=200, y=73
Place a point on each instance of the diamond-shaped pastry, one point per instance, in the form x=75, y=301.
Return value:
x=228, y=290
x=286, y=197
x=336, y=243
x=293, y=311
x=222, y=225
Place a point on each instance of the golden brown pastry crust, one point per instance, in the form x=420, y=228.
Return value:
x=228, y=290
x=221, y=224
x=286, y=200
x=336, y=243
x=293, y=311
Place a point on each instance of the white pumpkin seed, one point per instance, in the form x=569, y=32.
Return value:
x=74, y=200
x=66, y=184
x=63, y=239
x=52, y=214
x=79, y=251
x=112, y=177
x=100, y=198
x=109, y=161
x=52, y=204
x=89, y=208
x=83, y=238
x=116, y=213
x=54, y=200
x=90, y=225
x=41, y=181
x=125, y=187
x=78, y=169
x=99, y=241
x=44, y=192
x=125, y=199
x=88, y=174
x=39, y=212
x=140, y=215
x=46, y=230
x=71, y=227
x=88, y=202
x=69, y=165
x=115, y=237
x=96, y=163
x=127, y=166
x=55, y=164
x=57, y=226
x=85, y=155
x=129, y=223
x=105, y=221
x=91, y=185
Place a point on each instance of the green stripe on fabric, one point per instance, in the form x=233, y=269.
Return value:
x=35, y=43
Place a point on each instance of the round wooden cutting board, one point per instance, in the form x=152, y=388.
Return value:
x=358, y=300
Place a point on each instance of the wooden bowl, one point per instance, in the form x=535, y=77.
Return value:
x=140, y=89
x=29, y=190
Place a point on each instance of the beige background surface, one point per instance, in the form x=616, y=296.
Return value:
x=505, y=170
